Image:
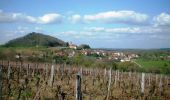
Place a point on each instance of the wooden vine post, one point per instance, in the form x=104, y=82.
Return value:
x=143, y=83
x=160, y=84
x=105, y=71
x=115, y=78
x=62, y=70
x=1, y=82
x=104, y=75
x=149, y=79
x=118, y=75
x=9, y=71
x=81, y=71
x=78, y=87
x=52, y=76
x=110, y=77
x=28, y=68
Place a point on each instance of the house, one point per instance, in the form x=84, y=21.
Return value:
x=72, y=46
x=125, y=60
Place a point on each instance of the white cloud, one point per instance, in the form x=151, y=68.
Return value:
x=127, y=30
x=75, y=18
x=162, y=19
x=20, y=17
x=50, y=18
x=116, y=33
x=126, y=17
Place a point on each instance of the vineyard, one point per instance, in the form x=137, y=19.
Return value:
x=39, y=81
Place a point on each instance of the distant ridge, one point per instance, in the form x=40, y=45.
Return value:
x=35, y=39
x=165, y=48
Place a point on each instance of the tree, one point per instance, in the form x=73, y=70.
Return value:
x=84, y=46
x=67, y=44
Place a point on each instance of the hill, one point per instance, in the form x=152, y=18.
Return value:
x=35, y=39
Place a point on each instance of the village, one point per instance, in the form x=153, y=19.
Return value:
x=99, y=54
x=73, y=50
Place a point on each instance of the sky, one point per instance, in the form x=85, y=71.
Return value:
x=99, y=23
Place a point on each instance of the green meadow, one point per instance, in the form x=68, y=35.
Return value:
x=156, y=66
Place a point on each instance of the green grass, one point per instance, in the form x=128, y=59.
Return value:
x=153, y=63
x=155, y=66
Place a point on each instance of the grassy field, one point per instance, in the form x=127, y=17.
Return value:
x=152, y=63
x=159, y=66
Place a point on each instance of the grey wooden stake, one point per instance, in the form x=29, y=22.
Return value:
x=115, y=78
x=33, y=71
x=118, y=75
x=156, y=80
x=62, y=70
x=9, y=71
x=160, y=84
x=52, y=75
x=143, y=83
x=138, y=79
x=28, y=67
x=149, y=79
x=78, y=87
x=110, y=77
x=105, y=71
x=81, y=71
x=1, y=82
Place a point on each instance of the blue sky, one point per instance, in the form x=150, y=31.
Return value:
x=99, y=23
